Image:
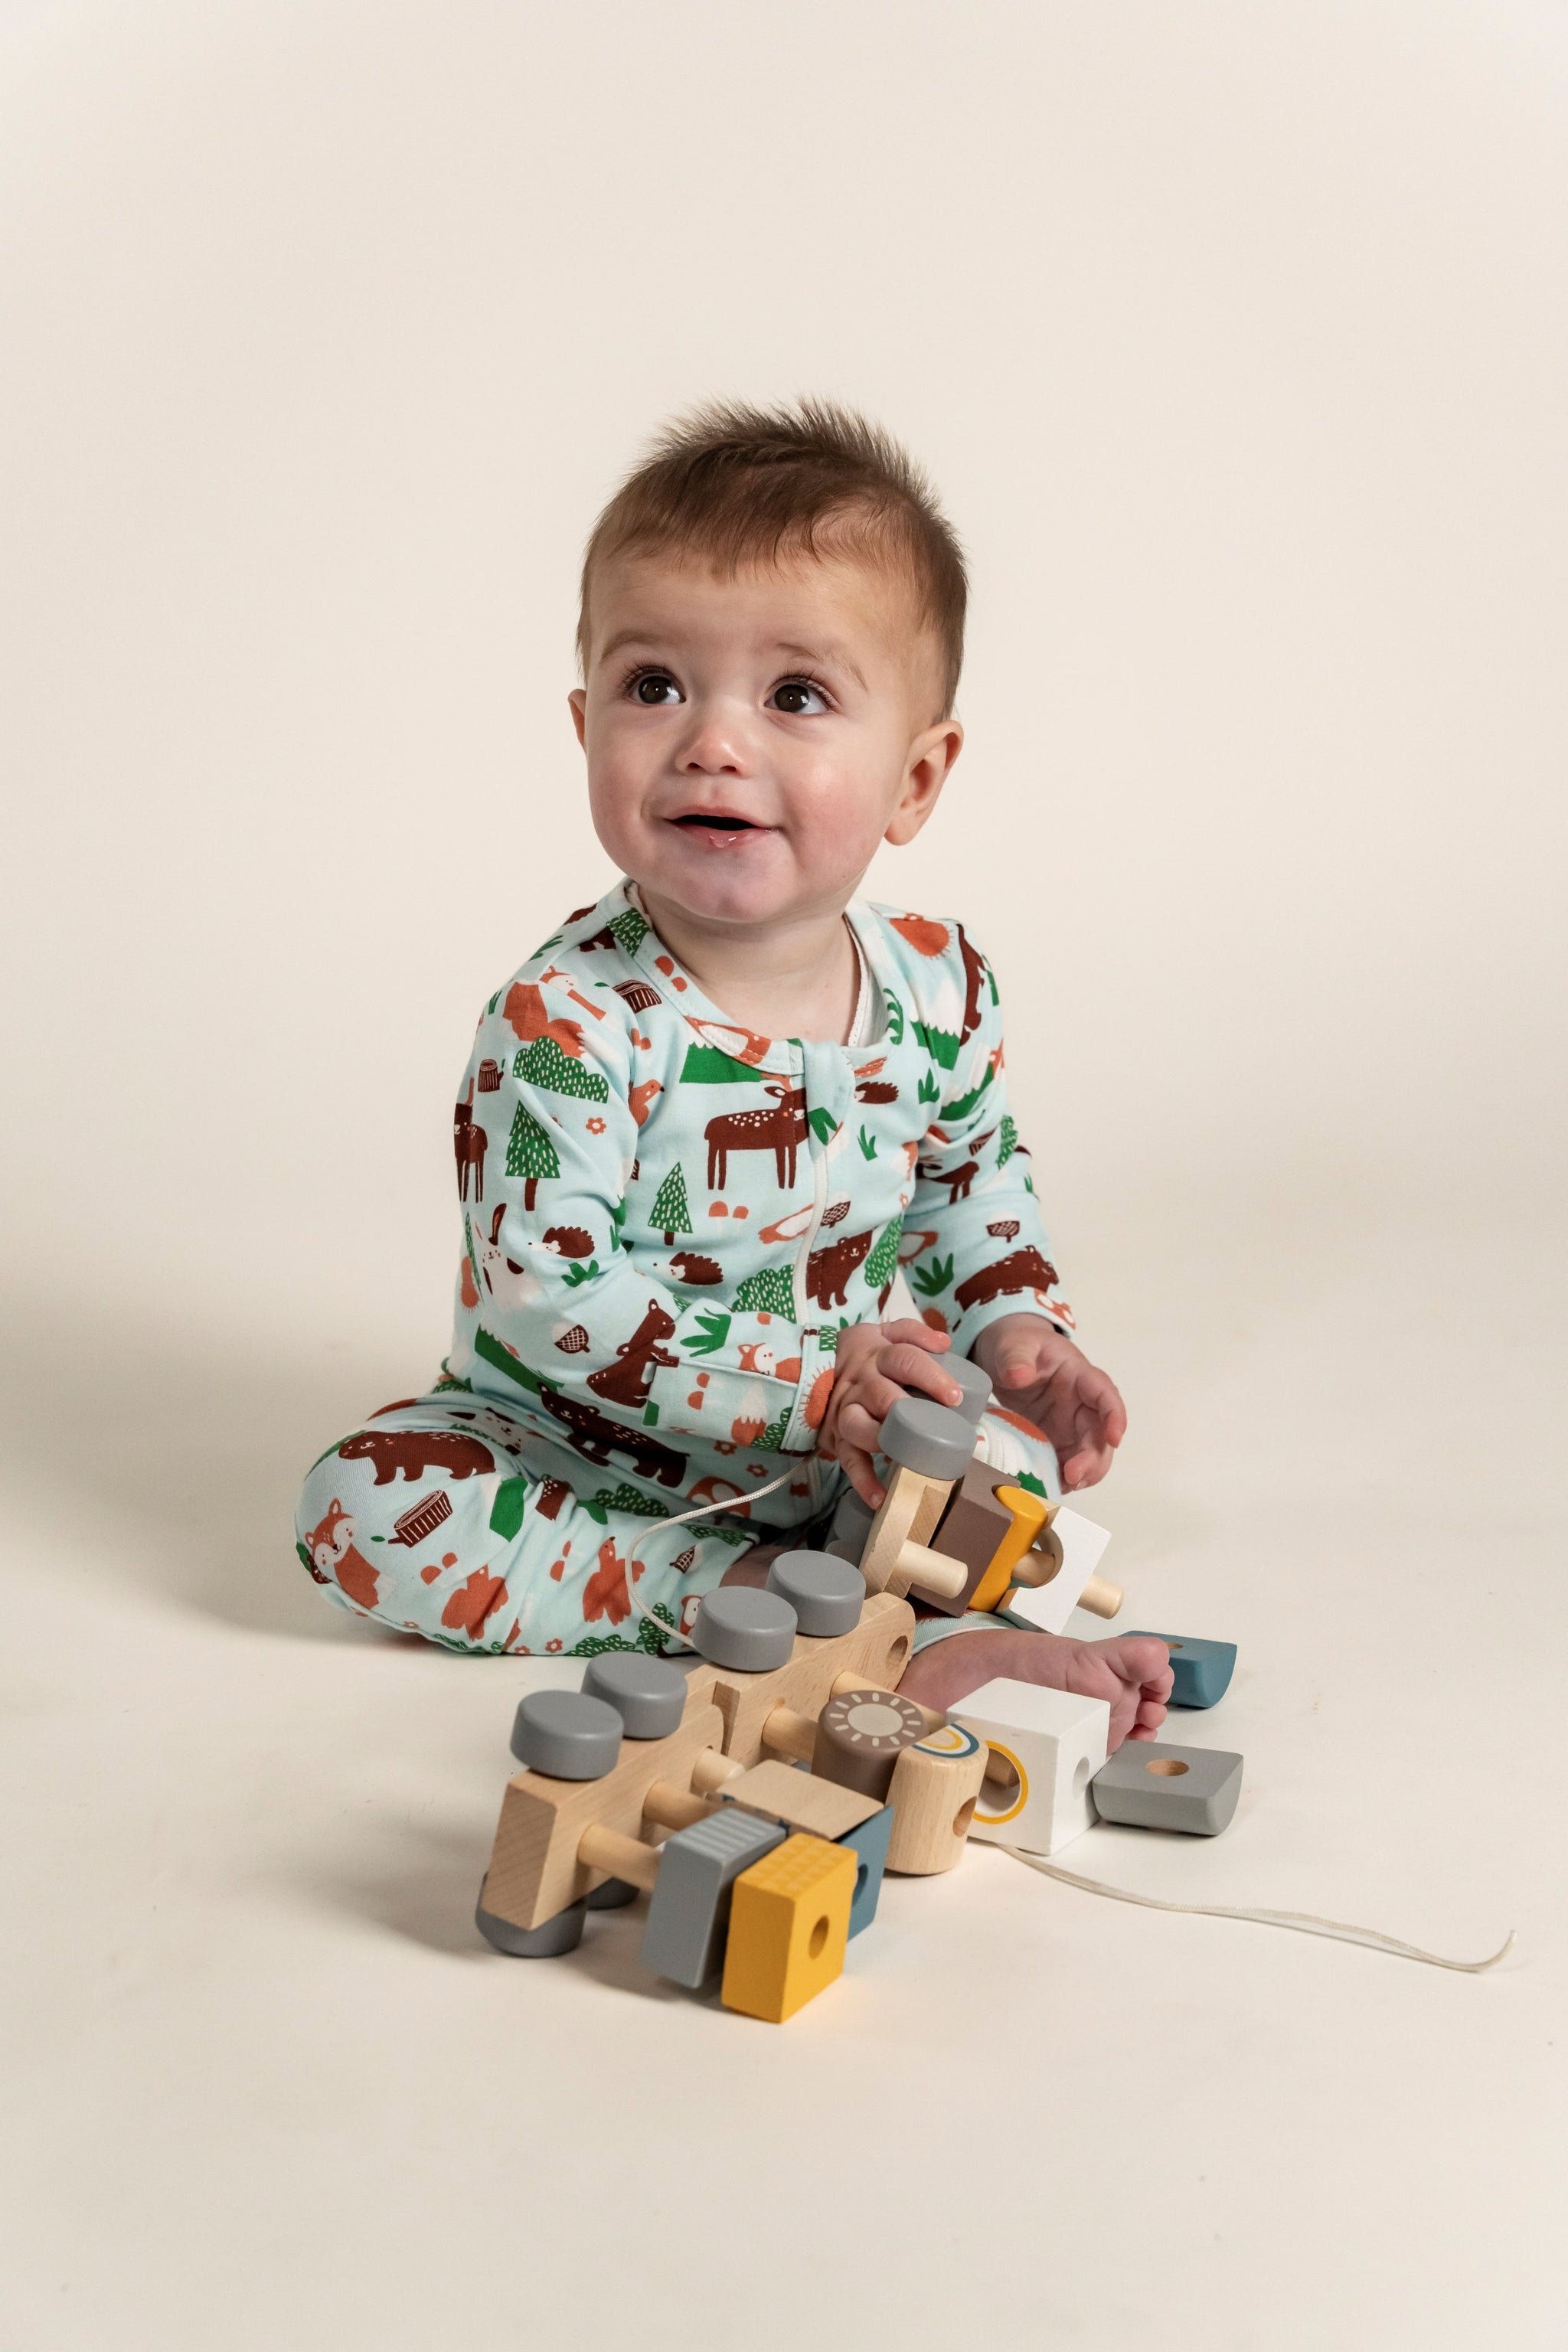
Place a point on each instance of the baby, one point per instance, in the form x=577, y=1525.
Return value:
x=717, y=1116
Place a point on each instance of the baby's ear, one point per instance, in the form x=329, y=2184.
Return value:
x=578, y=699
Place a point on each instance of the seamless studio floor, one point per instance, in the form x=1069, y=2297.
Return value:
x=266, y=2088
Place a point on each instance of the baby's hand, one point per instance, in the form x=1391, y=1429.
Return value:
x=878, y=1363
x=1036, y=1371
x=1133, y=1672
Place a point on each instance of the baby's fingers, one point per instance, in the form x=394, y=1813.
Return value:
x=912, y=1370
x=859, y=1470
x=909, y=1334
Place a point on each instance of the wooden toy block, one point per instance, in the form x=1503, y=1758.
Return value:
x=868, y=1843
x=988, y=1525
x=1062, y=1564
x=934, y=1792
x=789, y=1924
x=820, y=1808
x=1153, y=1786
x=876, y=1651
x=535, y=1870
x=1046, y=1747
x=929, y=1446
x=697, y=1870
x=1202, y=1670
x=857, y=1738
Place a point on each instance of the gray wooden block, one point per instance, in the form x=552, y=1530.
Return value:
x=690, y=1909
x=975, y=1384
x=611, y=1895
x=826, y=1593
x=738, y=1626
x=1153, y=1786
x=545, y=1942
x=566, y=1734
x=648, y=1694
x=930, y=1438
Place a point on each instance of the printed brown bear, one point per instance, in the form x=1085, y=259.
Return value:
x=628, y=1380
x=1022, y=1269
x=828, y=1271
x=415, y=1451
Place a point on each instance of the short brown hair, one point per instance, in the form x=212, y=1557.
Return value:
x=749, y=485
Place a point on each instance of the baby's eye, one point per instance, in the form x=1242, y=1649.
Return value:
x=655, y=686
x=798, y=698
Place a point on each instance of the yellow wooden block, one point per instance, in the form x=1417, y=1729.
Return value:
x=1030, y=1513
x=789, y=1923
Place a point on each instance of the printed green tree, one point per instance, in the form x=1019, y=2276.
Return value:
x=543, y=1064
x=672, y=1209
x=629, y=928
x=883, y=1262
x=529, y=1153
x=769, y=1291
x=1007, y=1139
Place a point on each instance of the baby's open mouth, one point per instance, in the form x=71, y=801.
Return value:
x=718, y=825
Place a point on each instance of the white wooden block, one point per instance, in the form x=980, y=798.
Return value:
x=1046, y=1608
x=1055, y=1741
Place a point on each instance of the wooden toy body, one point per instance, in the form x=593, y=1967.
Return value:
x=1048, y=1745
x=877, y=1652
x=534, y=1868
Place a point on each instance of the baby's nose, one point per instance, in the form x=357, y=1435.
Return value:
x=714, y=747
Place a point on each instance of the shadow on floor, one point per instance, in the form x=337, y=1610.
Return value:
x=177, y=1466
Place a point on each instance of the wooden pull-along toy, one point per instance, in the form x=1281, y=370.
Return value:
x=757, y=1792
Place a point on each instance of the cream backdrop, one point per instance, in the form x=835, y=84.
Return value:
x=1234, y=337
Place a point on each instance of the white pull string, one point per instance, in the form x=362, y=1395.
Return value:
x=1304, y=1923
x=673, y=1633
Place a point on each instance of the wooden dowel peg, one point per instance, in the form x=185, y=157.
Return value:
x=790, y=1733
x=673, y=1808
x=623, y=1857
x=1100, y=1598
x=711, y=1769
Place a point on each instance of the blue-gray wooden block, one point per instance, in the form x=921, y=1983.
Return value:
x=1202, y=1669
x=690, y=1910
x=869, y=1840
x=1153, y=1786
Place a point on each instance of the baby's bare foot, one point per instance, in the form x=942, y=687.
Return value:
x=1133, y=1673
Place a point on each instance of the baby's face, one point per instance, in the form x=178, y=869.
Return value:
x=751, y=737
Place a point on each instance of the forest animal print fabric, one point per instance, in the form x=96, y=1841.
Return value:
x=668, y=1220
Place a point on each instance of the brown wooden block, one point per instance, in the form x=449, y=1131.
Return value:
x=535, y=1867
x=860, y=1735
x=819, y=1808
x=876, y=1651
x=970, y=1529
x=932, y=1793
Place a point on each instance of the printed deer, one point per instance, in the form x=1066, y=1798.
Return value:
x=781, y=1131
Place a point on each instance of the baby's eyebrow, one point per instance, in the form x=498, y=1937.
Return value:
x=824, y=657
x=623, y=638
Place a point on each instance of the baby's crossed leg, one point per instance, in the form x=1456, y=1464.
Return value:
x=446, y=1519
